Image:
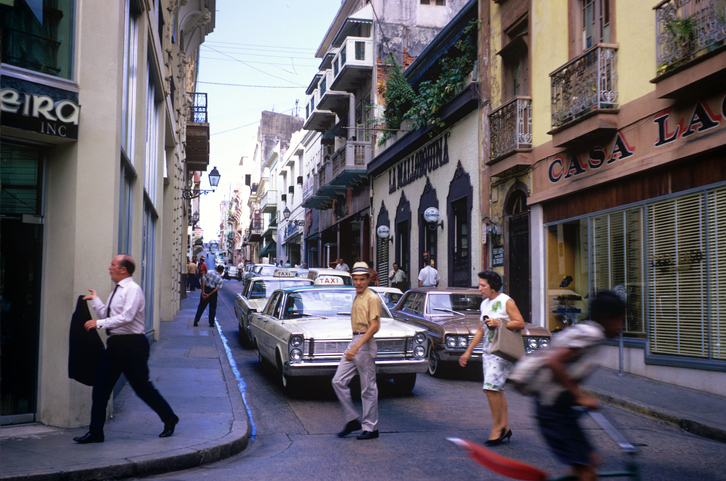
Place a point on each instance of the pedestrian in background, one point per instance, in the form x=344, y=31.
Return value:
x=428, y=276
x=211, y=283
x=191, y=275
x=397, y=277
x=342, y=266
x=495, y=308
x=202, y=268
x=360, y=358
x=127, y=350
x=375, y=278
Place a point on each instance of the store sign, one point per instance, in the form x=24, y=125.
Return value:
x=498, y=257
x=426, y=159
x=646, y=140
x=383, y=231
x=39, y=108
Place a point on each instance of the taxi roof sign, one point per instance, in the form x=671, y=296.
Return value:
x=283, y=273
x=329, y=281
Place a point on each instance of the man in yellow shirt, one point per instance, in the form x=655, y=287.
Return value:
x=360, y=358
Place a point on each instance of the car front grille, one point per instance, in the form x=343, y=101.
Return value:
x=337, y=348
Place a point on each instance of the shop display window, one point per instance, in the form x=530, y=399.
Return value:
x=38, y=35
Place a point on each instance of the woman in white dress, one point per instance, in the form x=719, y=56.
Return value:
x=495, y=308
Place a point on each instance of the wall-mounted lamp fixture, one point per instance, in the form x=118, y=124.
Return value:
x=384, y=232
x=194, y=218
x=286, y=215
x=213, y=181
x=431, y=216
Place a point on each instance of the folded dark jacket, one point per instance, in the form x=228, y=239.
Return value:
x=85, y=347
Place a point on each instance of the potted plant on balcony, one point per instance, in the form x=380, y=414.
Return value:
x=683, y=33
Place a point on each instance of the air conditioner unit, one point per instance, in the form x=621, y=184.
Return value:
x=291, y=190
x=284, y=197
x=299, y=179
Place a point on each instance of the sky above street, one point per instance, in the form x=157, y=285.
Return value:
x=260, y=56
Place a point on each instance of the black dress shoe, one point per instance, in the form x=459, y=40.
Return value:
x=89, y=437
x=368, y=435
x=169, y=428
x=353, y=425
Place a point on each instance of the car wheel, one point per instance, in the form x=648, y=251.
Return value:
x=435, y=367
x=404, y=383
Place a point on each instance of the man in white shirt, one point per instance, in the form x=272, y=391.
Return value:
x=127, y=350
x=342, y=266
x=428, y=276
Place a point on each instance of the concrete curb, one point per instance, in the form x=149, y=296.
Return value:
x=688, y=425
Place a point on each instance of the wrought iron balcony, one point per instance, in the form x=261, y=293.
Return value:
x=510, y=127
x=269, y=202
x=585, y=84
x=686, y=29
x=353, y=63
x=197, y=133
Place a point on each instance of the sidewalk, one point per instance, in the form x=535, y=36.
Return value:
x=189, y=367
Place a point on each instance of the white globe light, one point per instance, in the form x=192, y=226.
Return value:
x=431, y=214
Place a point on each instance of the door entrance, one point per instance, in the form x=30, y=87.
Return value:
x=518, y=265
x=20, y=261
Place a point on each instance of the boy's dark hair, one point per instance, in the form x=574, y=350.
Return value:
x=220, y=268
x=605, y=305
x=492, y=278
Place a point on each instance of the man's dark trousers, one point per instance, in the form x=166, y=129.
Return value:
x=212, y=302
x=126, y=354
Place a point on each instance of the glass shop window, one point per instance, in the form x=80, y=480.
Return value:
x=38, y=35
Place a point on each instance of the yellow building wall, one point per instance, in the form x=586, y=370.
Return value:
x=635, y=30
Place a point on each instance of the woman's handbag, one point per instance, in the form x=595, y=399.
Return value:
x=507, y=344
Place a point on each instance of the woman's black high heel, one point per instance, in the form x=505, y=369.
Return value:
x=500, y=440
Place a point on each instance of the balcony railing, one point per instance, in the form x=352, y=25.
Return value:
x=308, y=188
x=269, y=202
x=353, y=62
x=198, y=109
x=353, y=157
x=584, y=84
x=510, y=127
x=686, y=27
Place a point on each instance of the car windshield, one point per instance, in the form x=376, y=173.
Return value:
x=267, y=270
x=263, y=289
x=441, y=304
x=322, y=303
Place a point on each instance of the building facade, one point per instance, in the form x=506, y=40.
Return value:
x=94, y=163
x=606, y=153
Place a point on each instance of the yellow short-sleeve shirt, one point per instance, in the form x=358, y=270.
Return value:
x=366, y=307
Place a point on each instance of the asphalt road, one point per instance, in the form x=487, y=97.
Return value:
x=295, y=437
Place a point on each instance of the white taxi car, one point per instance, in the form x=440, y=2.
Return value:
x=304, y=331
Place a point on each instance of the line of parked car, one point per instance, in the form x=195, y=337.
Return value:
x=299, y=322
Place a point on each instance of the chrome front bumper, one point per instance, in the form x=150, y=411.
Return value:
x=328, y=367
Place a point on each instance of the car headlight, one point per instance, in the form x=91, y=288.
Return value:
x=531, y=343
x=544, y=342
x=296, y=341
x=419, y=351
x=420, y=338
x=295, y=355
x=451, y=341
x=462, y=341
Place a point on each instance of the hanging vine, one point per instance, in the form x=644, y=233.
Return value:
x=424, y=106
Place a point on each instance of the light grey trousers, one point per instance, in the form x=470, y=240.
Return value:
x=365, y=366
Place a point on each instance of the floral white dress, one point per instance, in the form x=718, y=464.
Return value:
x=496, y=370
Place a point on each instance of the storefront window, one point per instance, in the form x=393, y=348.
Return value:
x=38, y=35
x=667, y=258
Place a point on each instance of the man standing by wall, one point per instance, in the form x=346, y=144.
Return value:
x=191, y=276
x=360, y=358
x=428, y=276
x=342, y=266
x=127, y=350
x=398, y=277
x=211, y=283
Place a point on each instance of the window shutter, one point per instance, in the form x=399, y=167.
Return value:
x=716, y=249
x=676, y=276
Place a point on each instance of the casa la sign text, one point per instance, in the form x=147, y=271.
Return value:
x=669, y=127
x=428, y=158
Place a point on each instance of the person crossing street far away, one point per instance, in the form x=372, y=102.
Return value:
x=360, y=358
x=127, y=350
